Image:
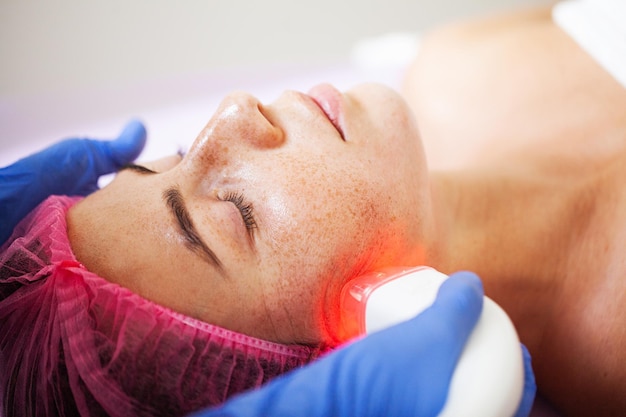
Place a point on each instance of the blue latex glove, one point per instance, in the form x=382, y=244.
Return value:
x=70, y=167
x=401, y=371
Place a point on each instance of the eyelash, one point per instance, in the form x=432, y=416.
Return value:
x=244, y=208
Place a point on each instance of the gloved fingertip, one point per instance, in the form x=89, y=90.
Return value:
x=466, y=279
x=461, y=295
x=129, y=143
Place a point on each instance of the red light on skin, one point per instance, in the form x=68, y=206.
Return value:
x=489, y=376
x=354, y=296
x=352, y=311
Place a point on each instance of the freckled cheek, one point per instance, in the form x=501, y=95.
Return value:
x=294, y=234
x=328, y=210
x=324, y=210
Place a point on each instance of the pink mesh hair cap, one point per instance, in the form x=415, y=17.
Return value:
x=72, y=343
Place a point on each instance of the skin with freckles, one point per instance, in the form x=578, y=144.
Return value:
x=527, y=160
x=329, y=202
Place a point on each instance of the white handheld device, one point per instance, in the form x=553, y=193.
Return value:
x=489, y=378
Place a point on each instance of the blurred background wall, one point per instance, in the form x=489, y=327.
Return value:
x=69, y=45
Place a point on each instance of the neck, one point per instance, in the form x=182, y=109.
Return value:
x=509, y=227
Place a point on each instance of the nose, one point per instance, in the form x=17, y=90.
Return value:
x=240, y=121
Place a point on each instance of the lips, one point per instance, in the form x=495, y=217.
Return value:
x=329, y=99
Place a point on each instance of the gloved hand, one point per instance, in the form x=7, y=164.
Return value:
x=70, y=167
x=404, y=370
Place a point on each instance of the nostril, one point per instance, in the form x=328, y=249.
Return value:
x=269, y=133
x=240, y=121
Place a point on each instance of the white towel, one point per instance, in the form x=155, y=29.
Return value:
x=599, y=27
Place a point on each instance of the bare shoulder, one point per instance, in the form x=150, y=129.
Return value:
x=485, y=87
x=514, y=88
x=580, y=363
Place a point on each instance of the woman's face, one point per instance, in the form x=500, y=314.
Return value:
x=271, y=211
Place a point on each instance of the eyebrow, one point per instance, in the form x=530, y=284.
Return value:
x=176, y=204
x=140, y=169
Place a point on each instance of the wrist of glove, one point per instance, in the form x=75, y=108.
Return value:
x=70, y=167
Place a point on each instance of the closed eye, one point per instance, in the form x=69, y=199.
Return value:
x=245, y=208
